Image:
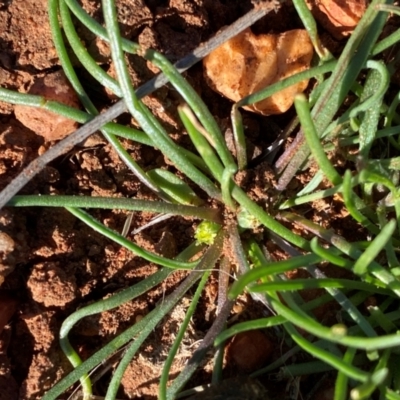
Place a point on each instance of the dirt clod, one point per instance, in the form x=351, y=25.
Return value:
x=43, y=372
x=27, y=34
x=47, y=281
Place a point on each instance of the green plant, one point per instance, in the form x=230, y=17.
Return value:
x=370, y=342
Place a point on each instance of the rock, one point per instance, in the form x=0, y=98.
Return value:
x=249, y=350
x=248, y=63
x=46, y=123
x=338, y=17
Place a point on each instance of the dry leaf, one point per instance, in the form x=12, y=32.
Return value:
x=248, y=63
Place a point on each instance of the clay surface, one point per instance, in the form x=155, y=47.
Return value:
x=52, y=264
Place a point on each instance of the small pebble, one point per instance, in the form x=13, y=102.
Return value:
x=248, y=63
x=249, y=350
x=339, y=17
x=45, y=123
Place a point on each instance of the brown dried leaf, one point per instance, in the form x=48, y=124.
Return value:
x=248, y=63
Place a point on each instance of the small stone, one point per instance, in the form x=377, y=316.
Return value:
x=249, y=350
x=248, y=63
x=338, y=17
x=46, y=123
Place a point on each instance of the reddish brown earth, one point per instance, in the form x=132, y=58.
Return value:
x=51, y=263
